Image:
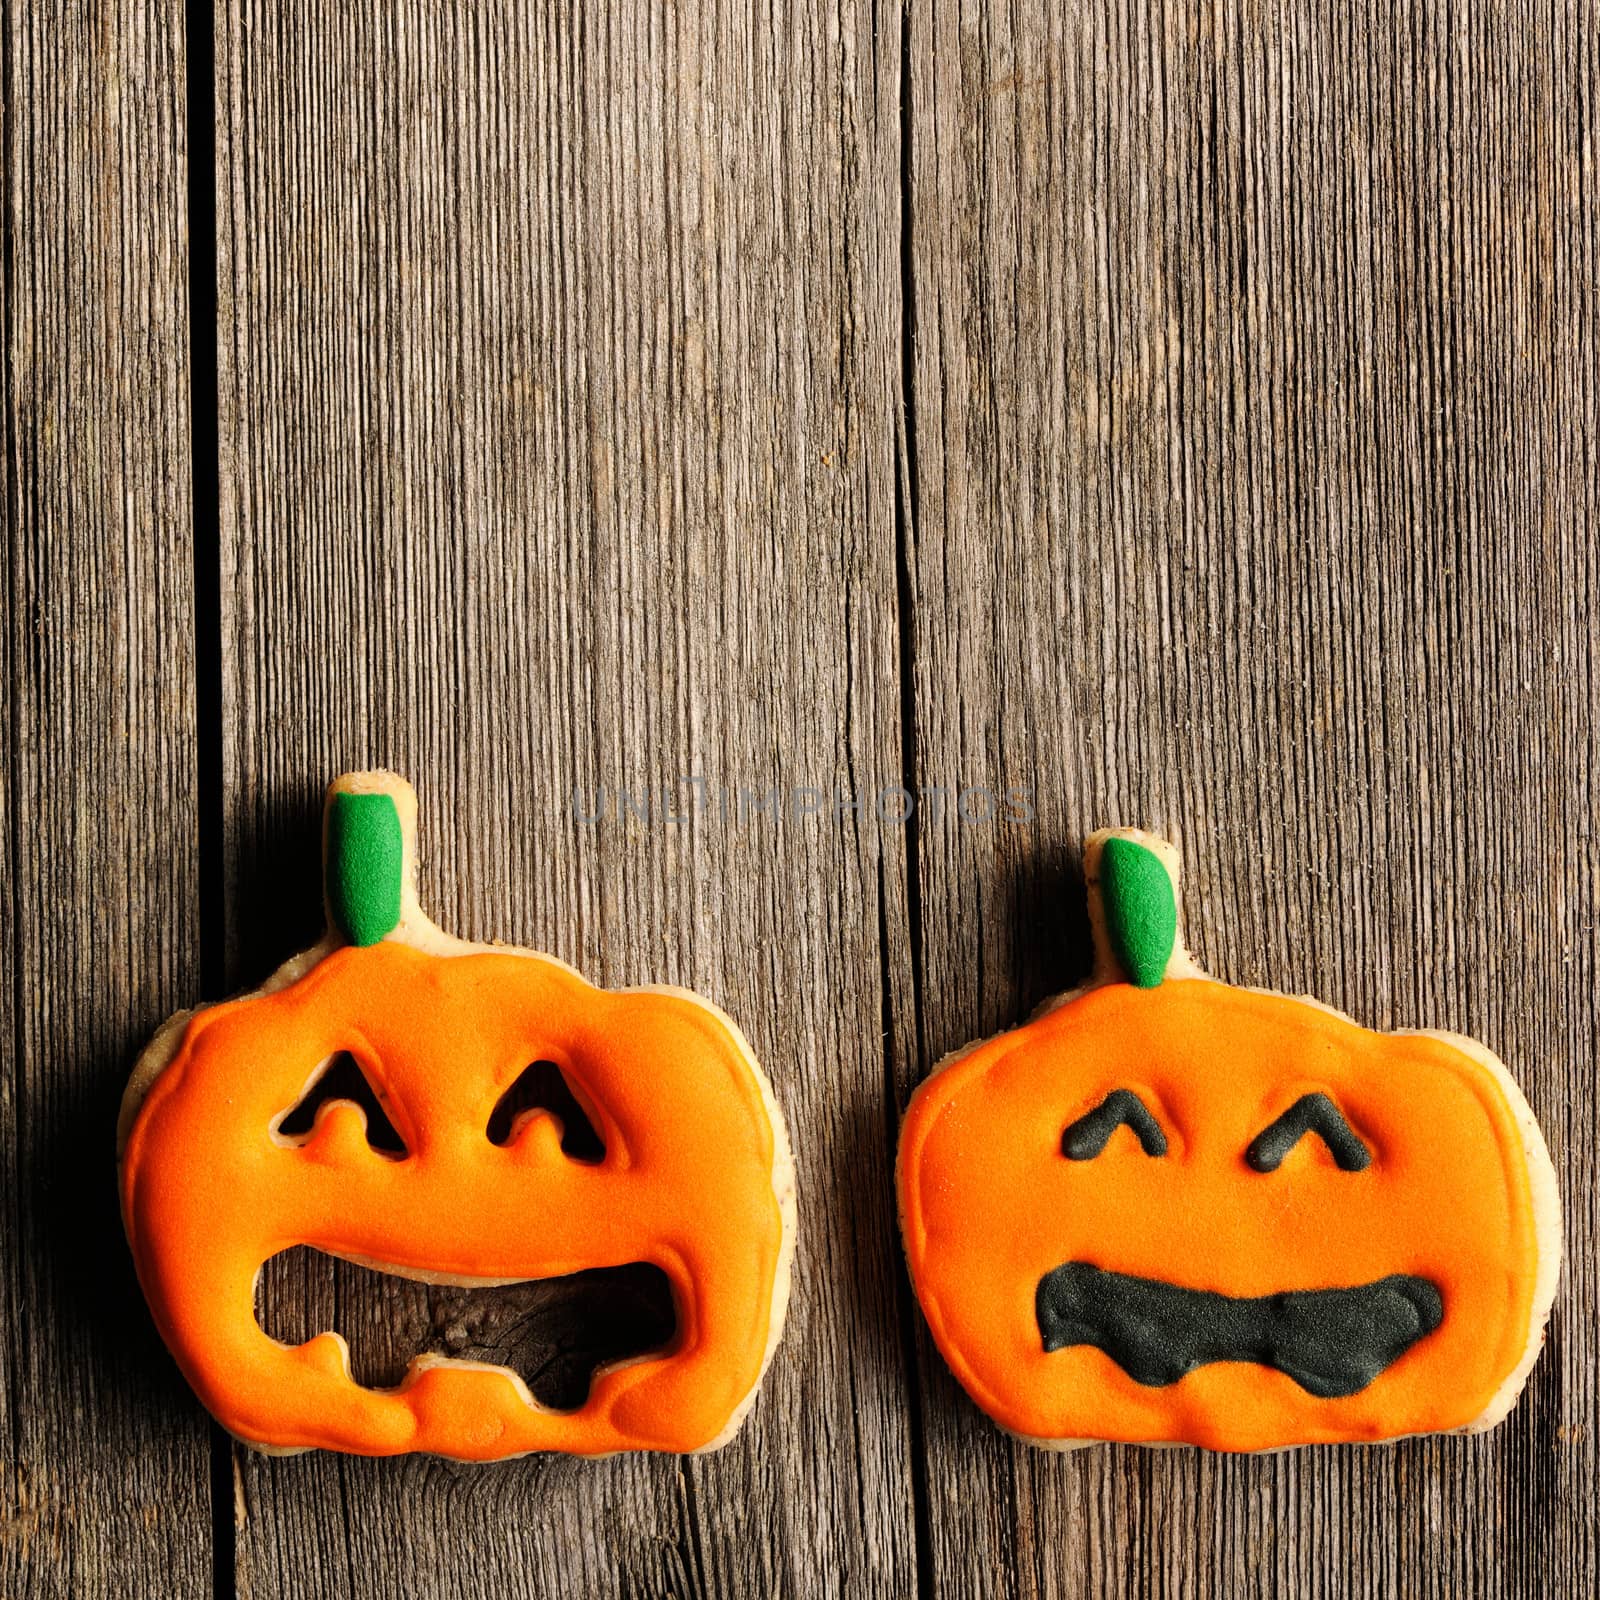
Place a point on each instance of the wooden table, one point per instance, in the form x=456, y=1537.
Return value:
x=1185, y=415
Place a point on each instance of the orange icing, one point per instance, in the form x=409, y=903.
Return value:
x=989, y=1204
x=686, y=1183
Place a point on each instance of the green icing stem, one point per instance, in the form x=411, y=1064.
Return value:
x=366, y=856
x=1140, y=909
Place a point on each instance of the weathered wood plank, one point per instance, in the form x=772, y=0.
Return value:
x=558, y=402
x=1255, y=498
x=97, y=805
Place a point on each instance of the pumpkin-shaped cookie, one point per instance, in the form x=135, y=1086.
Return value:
x=1167, y=1210
x=690, y=1173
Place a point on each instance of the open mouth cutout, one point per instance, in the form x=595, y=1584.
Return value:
x=554, y=1333
x=1332, y=1342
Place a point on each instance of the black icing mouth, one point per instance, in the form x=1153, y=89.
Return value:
x=1332, y=1342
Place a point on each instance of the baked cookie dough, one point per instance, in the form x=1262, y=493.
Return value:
x=693, y=1175
x=1167, y=1210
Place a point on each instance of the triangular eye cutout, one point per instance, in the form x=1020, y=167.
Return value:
x=542, y=1087
x=341, y=1079
x=1311, y=1113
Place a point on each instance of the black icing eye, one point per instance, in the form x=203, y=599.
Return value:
x=1311, y=1113
x=1089, y=1135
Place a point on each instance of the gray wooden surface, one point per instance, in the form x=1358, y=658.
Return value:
x=104, y=1483
x=1184, y=415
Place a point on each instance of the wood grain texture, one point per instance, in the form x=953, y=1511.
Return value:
x=103, y=1463
x=1255, y=498
x=558, y=390
x=1184, y=414
x=553, y=1333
